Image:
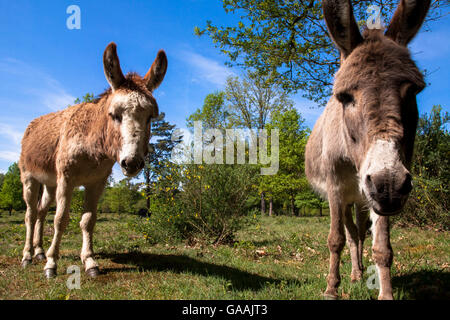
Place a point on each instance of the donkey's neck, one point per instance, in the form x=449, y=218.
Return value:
x=102, y=138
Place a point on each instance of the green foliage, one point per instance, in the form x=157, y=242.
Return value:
x=290, y=181
x=2, y=177
x=160, y=151
x=199, y=203
x=77, y=203
x=121, y=197
x=213, y=113
x=429, y=202
x=214, y=199
x=76, y=209
x=288, y=40
x=88, y=97
x=253, y=99
x=11, y=191
x=310, y=200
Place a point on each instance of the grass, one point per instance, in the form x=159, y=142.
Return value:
x=276, y=258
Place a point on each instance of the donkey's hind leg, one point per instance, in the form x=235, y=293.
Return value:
x=63, y=196
x=351, y=232
x=30, y=195
x=87, y=224
x=362, y=216
x=48, y=196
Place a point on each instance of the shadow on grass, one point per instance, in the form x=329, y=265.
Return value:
x=424, y=285
x=240, y=279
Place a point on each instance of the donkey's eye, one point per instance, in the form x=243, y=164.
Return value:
x=116, y=117
x=345, y=98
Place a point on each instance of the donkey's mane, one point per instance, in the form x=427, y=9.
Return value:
x=133, y=82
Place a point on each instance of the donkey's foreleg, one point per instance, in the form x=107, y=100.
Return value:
x=87, y=224
x=48, y=196
x=382, y=254
x=336, y=242
x=351, y=232
x=30, y=195
x=63, y=197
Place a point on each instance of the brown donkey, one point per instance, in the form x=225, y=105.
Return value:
x=78, y=146
x=360, y=149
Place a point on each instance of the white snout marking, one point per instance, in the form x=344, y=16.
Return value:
x=382, y=155
x=131, y=137
x=133, y=125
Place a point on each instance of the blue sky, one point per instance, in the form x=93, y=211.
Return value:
x=44, y=66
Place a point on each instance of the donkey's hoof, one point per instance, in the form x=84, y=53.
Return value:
x=355, y=277
x=40, y=257
x=26, y=263
x=93, y=272
x=50, y=273
x=330, y=295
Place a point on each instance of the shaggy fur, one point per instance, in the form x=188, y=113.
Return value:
x=78, y=147
x=359, y=152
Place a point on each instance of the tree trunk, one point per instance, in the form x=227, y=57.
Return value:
x=292, y=207
x=10, y=210
x=270, y=207
x=147, y=189
x=320, y=211
x=263, y=204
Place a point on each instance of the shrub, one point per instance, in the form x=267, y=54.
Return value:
x=200, y=202
x=429, y=202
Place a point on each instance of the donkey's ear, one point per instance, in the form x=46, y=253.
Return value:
x=157, y=71
x=342, y=25
x=407, y=20
x=111, y=65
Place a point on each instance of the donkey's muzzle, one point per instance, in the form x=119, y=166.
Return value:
x=389, y=191
x=132, y=166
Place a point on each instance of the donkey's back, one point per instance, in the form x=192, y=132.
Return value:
x=39, y=146
x=41, y=141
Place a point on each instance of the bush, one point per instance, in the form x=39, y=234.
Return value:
x=76, y=209
x=164, y=224
x=200, y=203
x=429, y=202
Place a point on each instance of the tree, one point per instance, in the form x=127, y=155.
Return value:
x=290, y=179
x=2, y=177
x=121, y=197
x=11, y=192
x=288, y=40
x=253, y=100
x=213, y=114
x=160, y=151
x=429, y=202
x=307, y=198
x=88, y=97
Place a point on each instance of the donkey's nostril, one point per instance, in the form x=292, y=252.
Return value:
x=123, y=163
x=406, y=186
x=370, y=184
x=375, y=184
